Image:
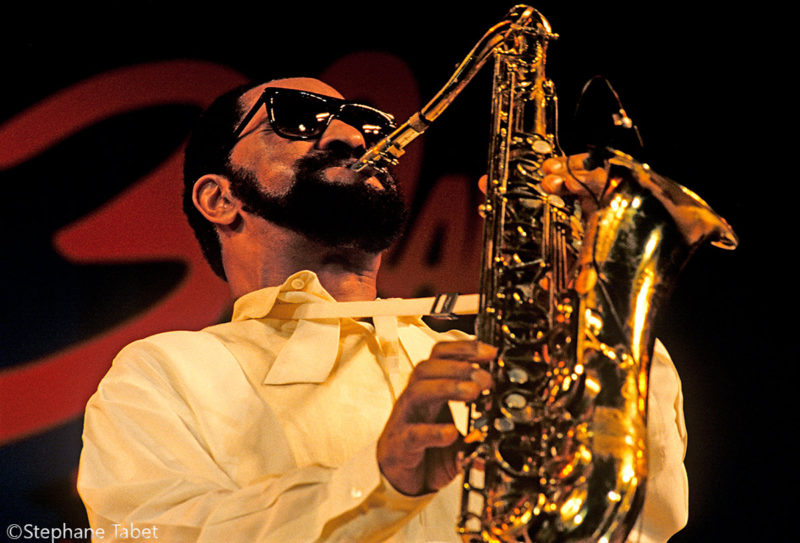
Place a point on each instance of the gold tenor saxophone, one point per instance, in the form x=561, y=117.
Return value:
x=559, y=446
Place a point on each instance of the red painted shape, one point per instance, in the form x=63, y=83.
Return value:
x=448, y=212
x=143, y=223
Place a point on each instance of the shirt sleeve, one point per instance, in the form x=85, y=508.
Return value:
x=666, y=504
x=150, y=466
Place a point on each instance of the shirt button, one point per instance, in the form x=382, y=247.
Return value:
x=356, y=492
x=297, y=283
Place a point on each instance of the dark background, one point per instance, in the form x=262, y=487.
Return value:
x=697, y=80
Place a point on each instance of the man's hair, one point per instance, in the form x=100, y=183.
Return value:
x=208, y=152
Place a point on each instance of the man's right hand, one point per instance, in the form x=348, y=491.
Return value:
x=417, y=451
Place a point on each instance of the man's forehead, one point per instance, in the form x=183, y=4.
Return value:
x=299, y=83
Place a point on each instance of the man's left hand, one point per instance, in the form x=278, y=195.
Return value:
x=418, y=449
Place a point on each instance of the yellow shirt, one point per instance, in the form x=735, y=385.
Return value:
x=264, y=429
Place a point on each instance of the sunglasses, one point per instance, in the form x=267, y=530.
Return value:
x=302, y=115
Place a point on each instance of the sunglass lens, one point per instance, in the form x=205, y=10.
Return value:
x=373, y=124
x=296, y=115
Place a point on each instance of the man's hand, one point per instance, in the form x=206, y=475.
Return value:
x=418, y=449
x=565, y=176
x=569, y=176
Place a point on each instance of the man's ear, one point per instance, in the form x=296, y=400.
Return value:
x=212, y=197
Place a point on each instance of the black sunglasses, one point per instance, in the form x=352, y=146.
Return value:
x=303, y=115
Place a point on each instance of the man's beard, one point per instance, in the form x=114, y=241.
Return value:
x=334, y=214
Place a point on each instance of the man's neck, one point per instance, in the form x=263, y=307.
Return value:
x=348, y=286
x=347, y=274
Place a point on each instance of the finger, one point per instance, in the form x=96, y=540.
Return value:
x=452, y=369
x=573, y=164
x=474, y=351
x=582, y=183
x=554, y=165
x=482, y=183
x=577, y=163
x=558, y=175
x=445, y=463
x=421, y=399
x=578, y=182
x=554, y=184
x=418, y=437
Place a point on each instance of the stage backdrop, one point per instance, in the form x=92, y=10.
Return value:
x=97, y=106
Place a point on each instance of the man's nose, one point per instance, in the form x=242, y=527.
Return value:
x=342, y=132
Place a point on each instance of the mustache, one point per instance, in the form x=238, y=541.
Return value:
x=338, y=154
x=331, y=156
x=336, y=215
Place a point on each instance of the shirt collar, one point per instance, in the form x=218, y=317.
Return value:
x=310, y=352
x=301, y=287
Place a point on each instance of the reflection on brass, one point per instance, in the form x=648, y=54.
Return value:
x=559, y=446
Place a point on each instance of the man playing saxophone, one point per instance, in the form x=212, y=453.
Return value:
x=334, y=428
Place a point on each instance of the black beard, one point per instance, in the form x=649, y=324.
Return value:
x=354, y=215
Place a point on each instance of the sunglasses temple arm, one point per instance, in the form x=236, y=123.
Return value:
x=247, y=118
x=386, y=152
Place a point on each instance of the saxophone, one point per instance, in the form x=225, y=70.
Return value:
x=558, y=449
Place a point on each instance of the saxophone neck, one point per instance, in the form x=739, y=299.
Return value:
x=386, y=152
